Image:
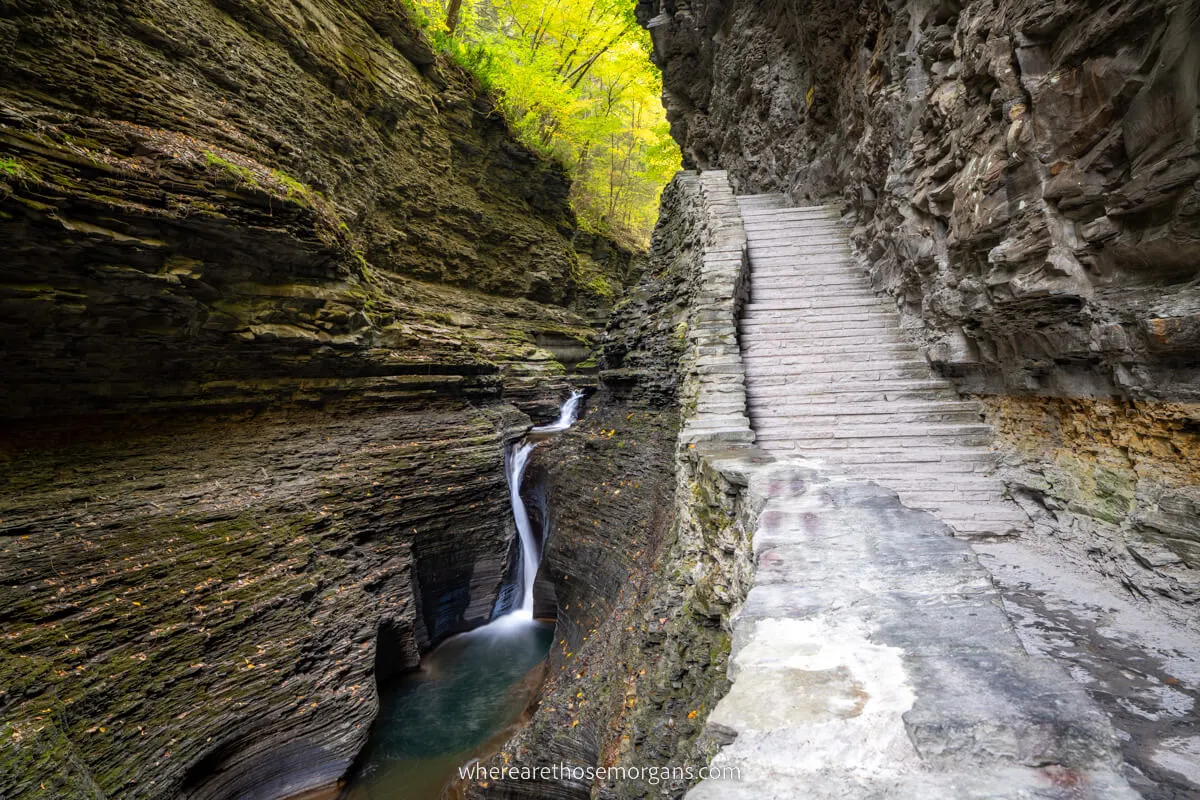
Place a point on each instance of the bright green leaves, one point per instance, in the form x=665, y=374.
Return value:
x=574, y=78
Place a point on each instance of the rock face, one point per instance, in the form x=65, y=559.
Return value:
x=1022, y=178
x=276, y=280
x=191, y=607
x=263, y=202
x=1024, y=175
x=646, y=556
x=1111, y=484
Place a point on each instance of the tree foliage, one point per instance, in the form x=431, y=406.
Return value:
x=574, y=78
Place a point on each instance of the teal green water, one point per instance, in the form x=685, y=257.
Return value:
x=467, y=692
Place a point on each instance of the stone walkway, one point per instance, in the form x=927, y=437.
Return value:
x=871, y=657
x=830, y=375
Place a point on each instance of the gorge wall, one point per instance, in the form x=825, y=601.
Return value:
x=1023, y=178
x=277, y=284
x=647, y=556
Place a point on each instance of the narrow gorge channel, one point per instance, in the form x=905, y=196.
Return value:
x=469, y=694
x=886, y=317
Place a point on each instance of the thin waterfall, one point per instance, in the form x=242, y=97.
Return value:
x=566, y=416
x=517, y=457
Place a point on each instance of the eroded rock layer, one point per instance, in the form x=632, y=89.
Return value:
x=275, y=281
x=192, y=606
x=215, y=202
x=647, y=556
x=1024, y=175
x=1022, y=178
x=1113, y=484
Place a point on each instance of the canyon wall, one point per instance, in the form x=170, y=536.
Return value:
x=1024, y=179
x=647, y=552
x=213, y=202
x=277, y=284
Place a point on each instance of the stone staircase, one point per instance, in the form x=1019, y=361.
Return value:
x=871, y=656
x=830, y=375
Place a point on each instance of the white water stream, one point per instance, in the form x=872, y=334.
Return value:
x=517, y=457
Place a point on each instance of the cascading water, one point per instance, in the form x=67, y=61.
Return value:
x=470, y=691
x=517, y=457
x=566, y=416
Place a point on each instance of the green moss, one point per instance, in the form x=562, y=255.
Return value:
x=300, y=192
x=11, y=167
x=599, y=285
x=15, y=169
x=239, y=173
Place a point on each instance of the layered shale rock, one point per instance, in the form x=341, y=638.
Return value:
x=1022, y=177
x=191, y=607
x=265, y=200
x=1023, y=174
x=646, y=555
x=274, y=278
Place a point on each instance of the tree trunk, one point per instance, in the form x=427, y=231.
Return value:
x=453, y=11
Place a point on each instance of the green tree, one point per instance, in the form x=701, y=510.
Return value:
x=575, y=79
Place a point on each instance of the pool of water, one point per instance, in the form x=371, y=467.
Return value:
x=464, y=701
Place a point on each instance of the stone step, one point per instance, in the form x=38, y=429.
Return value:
x=937, y=500
x=762, y=228
x=803, y=343
x=908, y=468
x=790, y=215
x=994, y=512
x=814, y=286
x=823, y=405
x=825, y=208
x=765, y=329
x=838, y=333
x=808, y=361
x=981, y=489
x=797, y=410
x=907, y=434
x=850, y=282
x=808, y=274
x=799, y=299
x=766, y=200
x=766, y=420
x=928, y=478
x=823, y=265
x=778, y=255
x=869, y=427
x=799, y=321
x=766, y=384
x=803, y=263
x=806, y=365
x=807, y=284
x=819, y=360
x=817, y=293
x=786, y=336
x=818, y=285
x=783, y=441
x=818, y=378
x=899, y=462
x=768, y=238
x=807, y=314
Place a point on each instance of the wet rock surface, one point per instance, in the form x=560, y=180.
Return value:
x=1111, y=487
x=277, y=284
x=191, y=606
x=1143, y=672
x=646, y=554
